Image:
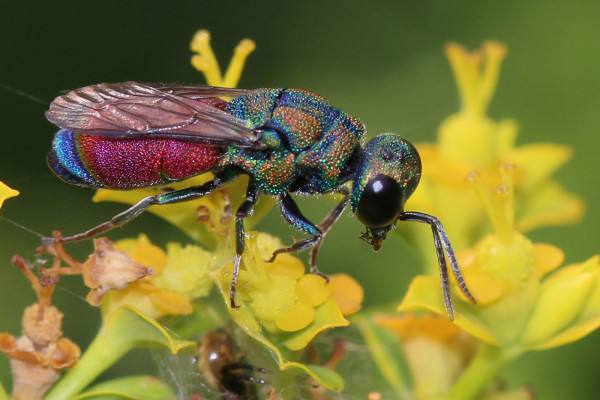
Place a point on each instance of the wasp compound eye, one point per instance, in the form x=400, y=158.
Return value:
x=380, y=202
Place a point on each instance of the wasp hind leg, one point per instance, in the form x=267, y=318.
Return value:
x=292, y=214
x=175, y=196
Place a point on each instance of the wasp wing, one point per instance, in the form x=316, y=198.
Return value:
x=156, y=110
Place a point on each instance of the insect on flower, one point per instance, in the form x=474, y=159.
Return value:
x=130, y=135
x=219, y=363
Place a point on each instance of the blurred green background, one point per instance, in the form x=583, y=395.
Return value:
x=381, y=61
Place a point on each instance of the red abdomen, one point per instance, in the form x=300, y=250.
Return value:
x=117, y=163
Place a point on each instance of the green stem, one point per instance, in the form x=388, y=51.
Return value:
x=123, y=330
x=385, y=361
x=3, y=394
x=104, y=351
x=488, y=361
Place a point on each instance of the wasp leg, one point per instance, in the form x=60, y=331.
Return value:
x=244, y=366
x=442, y=243
x=292, y=214
x=325, y=226
x=244, y=210
x=175, y=196
x=234, y=370
x=247, y=378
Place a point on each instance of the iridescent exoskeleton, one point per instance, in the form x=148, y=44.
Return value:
x=288, y=141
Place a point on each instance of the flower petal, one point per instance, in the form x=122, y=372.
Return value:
x=538, y=162
x=287, y=265
x=547, y=257
x=424, y=295
x=327, y=316
x=588, y=318
x=563, y=296
x=6, y=193
x=549, y=204
x=347, y=293
x=171, y=303
x=295, y=318
x=144, y=252
x=313, y=290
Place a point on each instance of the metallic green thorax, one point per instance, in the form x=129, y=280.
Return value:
x=312, y=143
x=388, y=154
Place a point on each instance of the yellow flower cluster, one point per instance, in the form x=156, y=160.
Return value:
x=282, y=296
x=523, y=301
x=471, y=141
x=519, y=304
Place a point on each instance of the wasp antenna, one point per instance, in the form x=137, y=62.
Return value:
x=453, y=263
x=443, y=273
x=442, y=244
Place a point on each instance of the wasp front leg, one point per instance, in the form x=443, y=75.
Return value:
x=292, y=214
x=325, y=226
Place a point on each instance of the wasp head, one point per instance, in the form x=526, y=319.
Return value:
x=388, y=173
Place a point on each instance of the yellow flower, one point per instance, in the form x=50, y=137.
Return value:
x=146, y=295
x=206, y=62
x=438, y=355
x=519, y=305
x=186, y=271
x=280, y=296
x=6, y=193
x=469, y=140
x=436, y=351
x=347, y=293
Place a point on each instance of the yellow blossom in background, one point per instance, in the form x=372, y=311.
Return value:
x=524, y=303
x=437, y=353
x=436, y=350
x=469, y=140
x=6, y=193
x=511, y=278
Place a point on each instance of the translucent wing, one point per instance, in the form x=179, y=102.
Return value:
x=157, y=110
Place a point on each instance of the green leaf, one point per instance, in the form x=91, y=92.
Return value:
x=133, y=387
